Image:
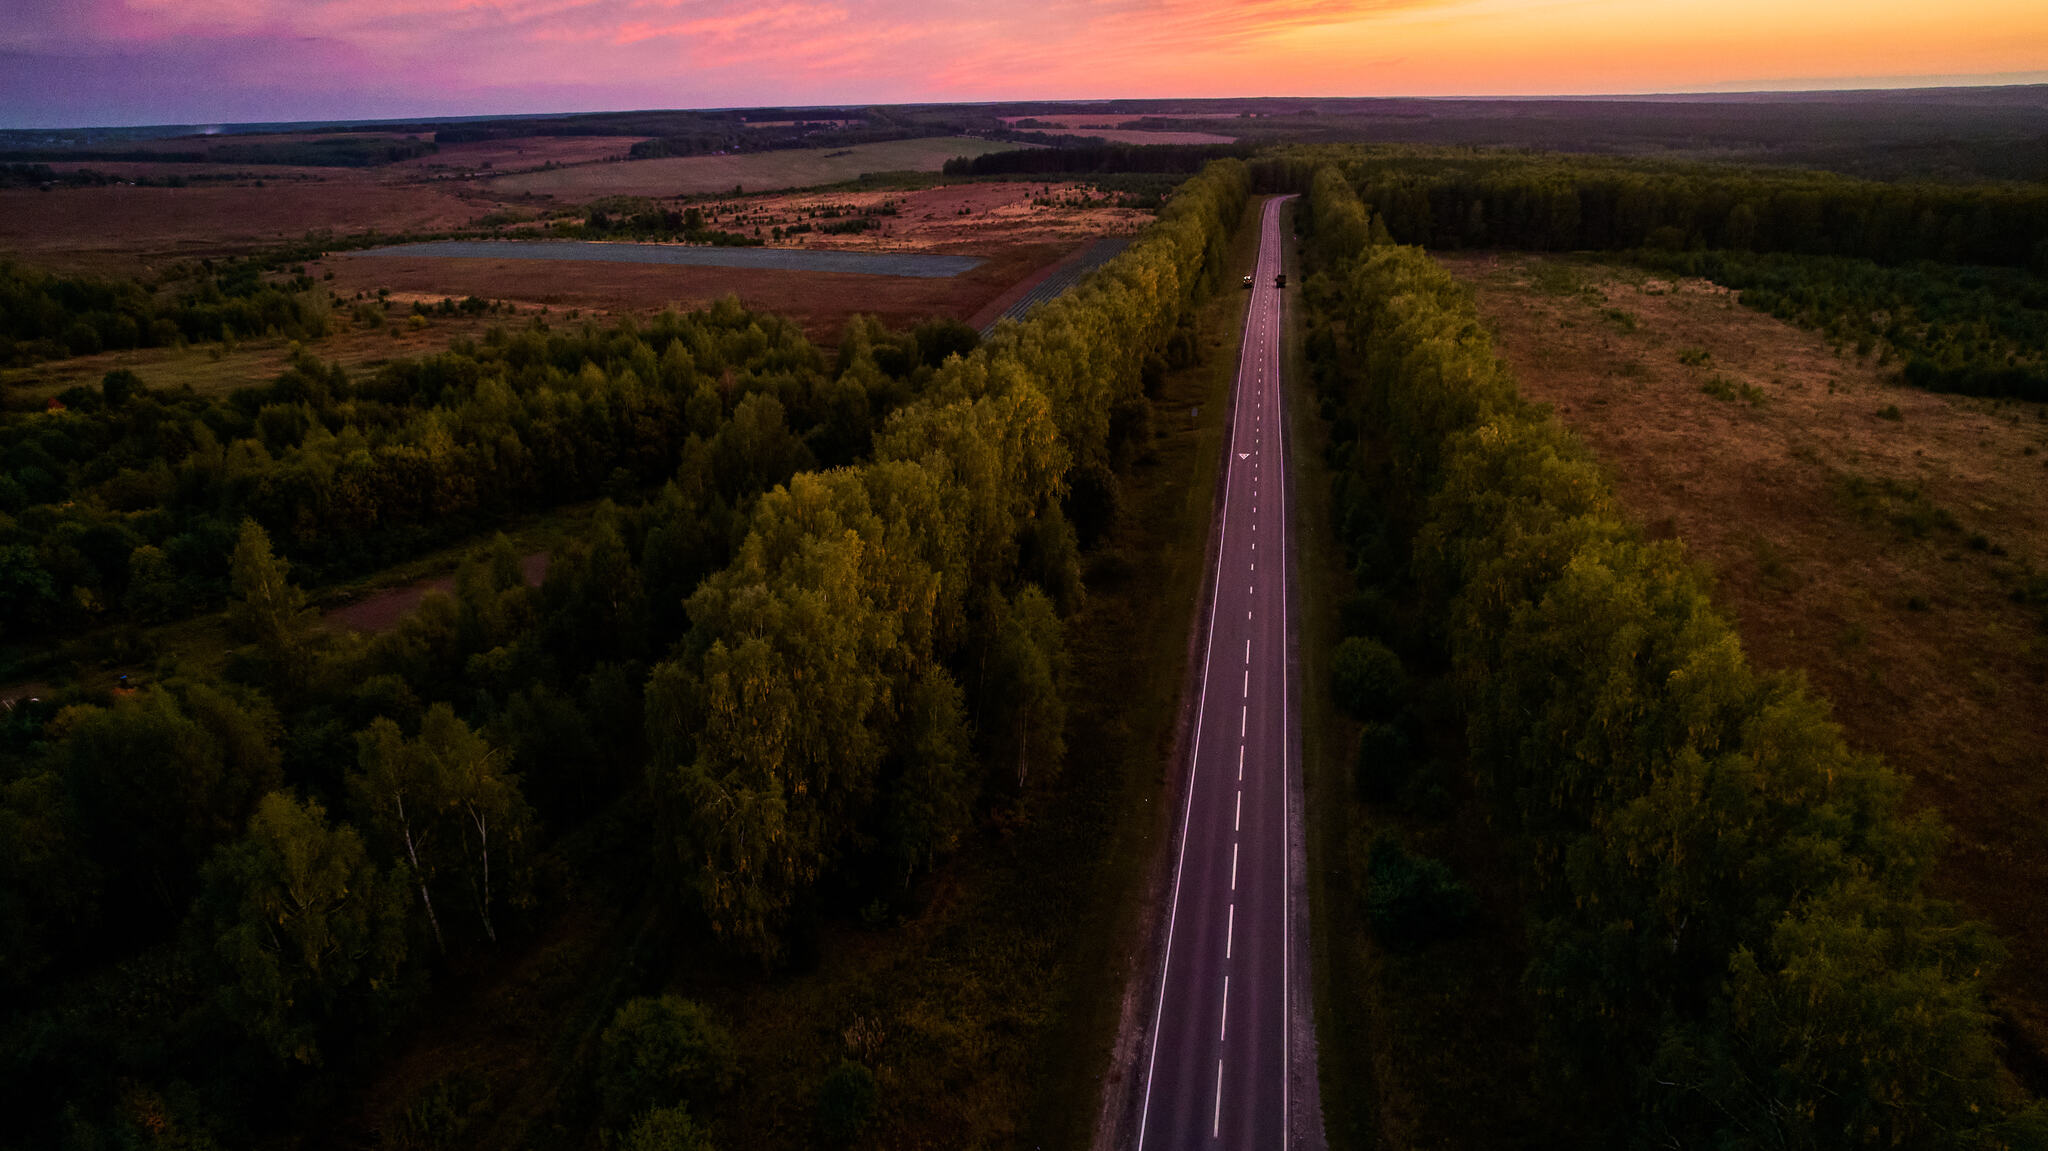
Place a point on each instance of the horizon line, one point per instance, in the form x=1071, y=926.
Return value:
x=1787, y=87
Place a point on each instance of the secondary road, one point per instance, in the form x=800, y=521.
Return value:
x=1219, y=1072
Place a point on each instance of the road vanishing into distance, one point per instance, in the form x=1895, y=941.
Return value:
x=1220, y=1069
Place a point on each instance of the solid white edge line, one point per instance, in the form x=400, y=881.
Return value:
x=1286, y=798
x=1195, y=759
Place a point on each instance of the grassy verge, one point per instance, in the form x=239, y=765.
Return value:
x=1416, y=1047
x=1337, y=948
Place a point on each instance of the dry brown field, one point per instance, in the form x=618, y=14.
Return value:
x=997, y=221
x=127, y=230
x=819, y=301
x=1863, y=532
x=515, y=155
x=755, y=171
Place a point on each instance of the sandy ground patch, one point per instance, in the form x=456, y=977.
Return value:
x=952, y=217
x=1876, y=554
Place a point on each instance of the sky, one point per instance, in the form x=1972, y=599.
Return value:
x=67, y=63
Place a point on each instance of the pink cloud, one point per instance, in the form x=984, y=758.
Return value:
x=206, y=60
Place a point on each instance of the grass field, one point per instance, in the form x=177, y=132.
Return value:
x=1877, y=537
x=753, y=171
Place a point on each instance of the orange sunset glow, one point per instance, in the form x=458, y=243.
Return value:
x=151, y=60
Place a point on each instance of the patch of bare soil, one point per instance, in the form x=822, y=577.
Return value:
x=963, y=217
x=382, y=609
x=1867, y=533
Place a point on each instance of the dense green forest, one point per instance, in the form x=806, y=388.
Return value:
x=1445, y=198
x=1729, y=945
x=1945, y=279
x=228, y=884
x=44, y=315
x=1081, y=156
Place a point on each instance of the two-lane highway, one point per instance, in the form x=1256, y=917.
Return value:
x=1218, y=1072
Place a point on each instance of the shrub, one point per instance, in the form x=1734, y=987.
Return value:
x=117, y=386
x=1368, y=679
x=666, y=1129
x=657, y=1051
x=1412, y=900
x=846, y=1102
x=1383, y=763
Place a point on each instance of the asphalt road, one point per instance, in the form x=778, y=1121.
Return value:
x=1221, y=1071
x=919, y=265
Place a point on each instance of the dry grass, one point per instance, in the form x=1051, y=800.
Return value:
x=1875, y=552
x=758, y=171
x=214, y=369
x=128, y=230
x=513, y=155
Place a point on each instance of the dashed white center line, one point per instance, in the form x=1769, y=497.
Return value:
x=1216, y=1124
x=1229, y=934
x=1233, y=869
x=1223, y=1021
x=1237, y=820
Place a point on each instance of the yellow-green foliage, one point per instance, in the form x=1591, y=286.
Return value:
x=1730, y=946
x=818, y=701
